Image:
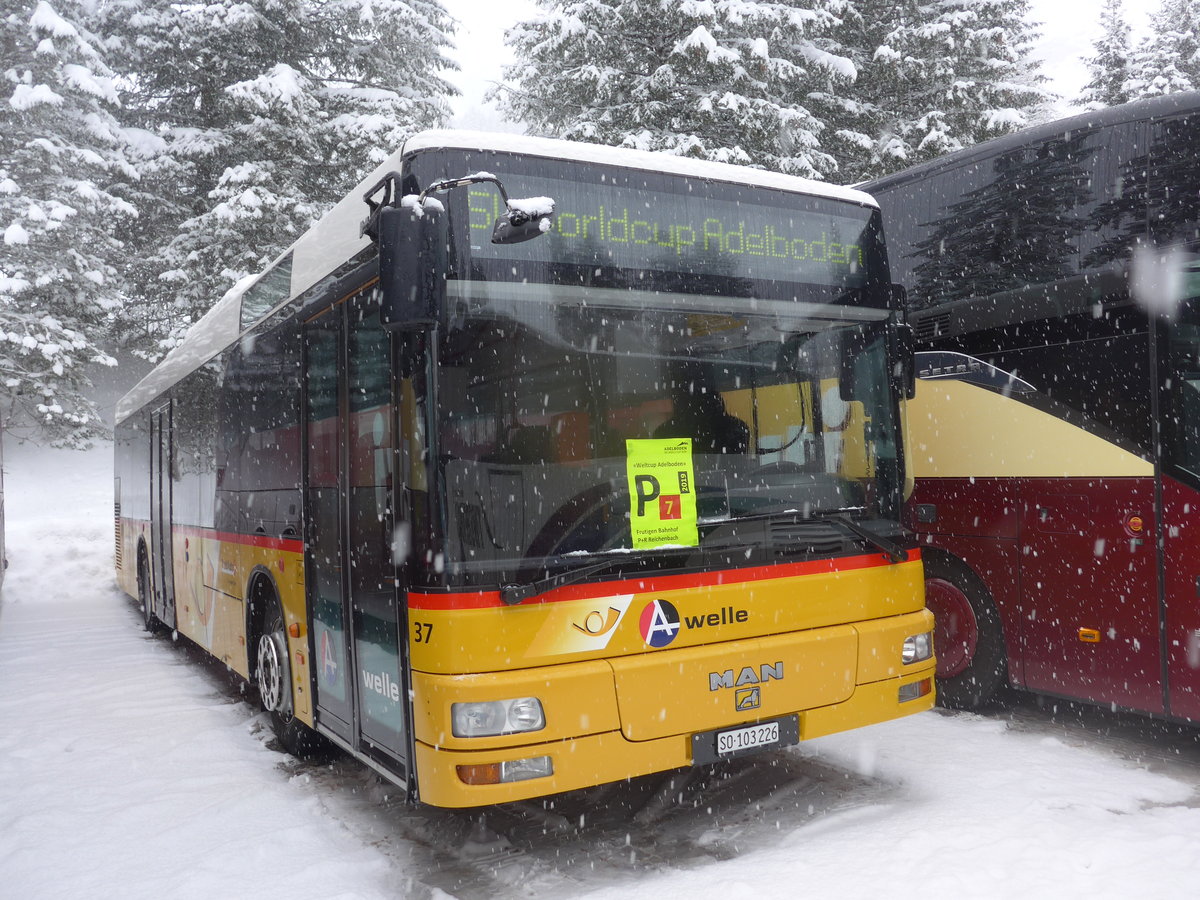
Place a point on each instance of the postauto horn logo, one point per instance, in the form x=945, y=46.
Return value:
x=659, y=623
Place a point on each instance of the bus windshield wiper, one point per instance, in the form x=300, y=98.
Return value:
x=894, y=551
x=513, y=594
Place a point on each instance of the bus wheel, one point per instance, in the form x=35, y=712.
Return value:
x=145, y=598
x=273, y=676
x=967, y=635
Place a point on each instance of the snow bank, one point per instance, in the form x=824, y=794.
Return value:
x=126, y=767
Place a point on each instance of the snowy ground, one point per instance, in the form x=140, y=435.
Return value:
x=130, y=767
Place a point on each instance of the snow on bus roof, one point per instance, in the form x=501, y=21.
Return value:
x=336, y=237
x=212, y=333
x=599, y=154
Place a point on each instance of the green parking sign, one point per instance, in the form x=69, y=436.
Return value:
x=661, y=492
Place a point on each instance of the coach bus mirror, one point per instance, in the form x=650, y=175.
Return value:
x=903, y=351
x=412, y=264
x=853, y=345
x=524, y=220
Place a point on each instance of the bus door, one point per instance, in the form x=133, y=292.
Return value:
x=162, y=594
x=360, y=661
x=1181, y=572
x=377, y=619
x=325, y=556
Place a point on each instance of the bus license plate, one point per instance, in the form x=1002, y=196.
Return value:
x=713, y=746
x=747, y=738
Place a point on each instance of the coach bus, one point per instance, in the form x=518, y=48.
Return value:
x=507, y=497
x=1055, y=433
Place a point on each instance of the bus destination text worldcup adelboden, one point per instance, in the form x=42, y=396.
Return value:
x=712, y=236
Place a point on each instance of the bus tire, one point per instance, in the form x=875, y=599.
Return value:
x=273, y=678
x=968, y=635
x=149, y=620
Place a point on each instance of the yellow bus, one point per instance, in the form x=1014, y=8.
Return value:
x=507, y=497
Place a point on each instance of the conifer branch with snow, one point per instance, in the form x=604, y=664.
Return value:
x=61, y=150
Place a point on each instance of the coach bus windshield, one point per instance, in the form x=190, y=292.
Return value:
x=561, y=360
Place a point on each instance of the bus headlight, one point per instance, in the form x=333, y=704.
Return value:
x=917, y=648
x=493, y=717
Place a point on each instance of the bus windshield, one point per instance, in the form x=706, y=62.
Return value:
x=540, y=387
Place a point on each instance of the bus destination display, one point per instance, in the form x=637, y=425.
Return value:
x=690, y=232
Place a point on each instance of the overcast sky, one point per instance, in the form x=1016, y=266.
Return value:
x=1068, y=31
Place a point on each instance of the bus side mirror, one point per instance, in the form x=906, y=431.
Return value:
x=902, y=344
x=854, y=342
x=523, y=221
x=903, y=353
x=412, y=264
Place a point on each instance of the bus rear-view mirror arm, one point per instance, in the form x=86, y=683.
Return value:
x=522, y=220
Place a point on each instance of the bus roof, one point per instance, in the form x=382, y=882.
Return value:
x=1152, y=108
x=601, y=155
x=337, y=237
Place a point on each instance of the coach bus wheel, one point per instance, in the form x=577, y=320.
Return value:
x=967, y=637
x=149, y=619
x=273, y=675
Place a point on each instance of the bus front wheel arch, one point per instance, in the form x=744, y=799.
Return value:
x=968, y=635
x=271, y=670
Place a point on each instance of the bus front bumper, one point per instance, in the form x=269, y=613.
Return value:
x=593, y=737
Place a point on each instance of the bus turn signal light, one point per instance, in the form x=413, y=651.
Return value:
x=1089, y=635
x=489, y=774
x=915, y=690
x=512, y=770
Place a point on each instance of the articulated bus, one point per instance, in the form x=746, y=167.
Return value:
x=508, y=497
x=1055, y=433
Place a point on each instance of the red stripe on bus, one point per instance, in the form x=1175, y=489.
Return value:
x=655, y=584
x=294, y=545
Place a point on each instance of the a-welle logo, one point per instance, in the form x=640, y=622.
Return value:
x=660, y=622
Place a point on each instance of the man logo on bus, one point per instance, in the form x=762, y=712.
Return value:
x=659, y=623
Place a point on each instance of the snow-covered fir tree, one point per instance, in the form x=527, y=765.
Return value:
x=1109, y=68
x=266, y=113
x=1168, y=58
x=60, y=149
x=934, y=76
x=725, y=80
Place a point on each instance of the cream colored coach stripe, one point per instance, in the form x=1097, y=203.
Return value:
x=959, y=430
